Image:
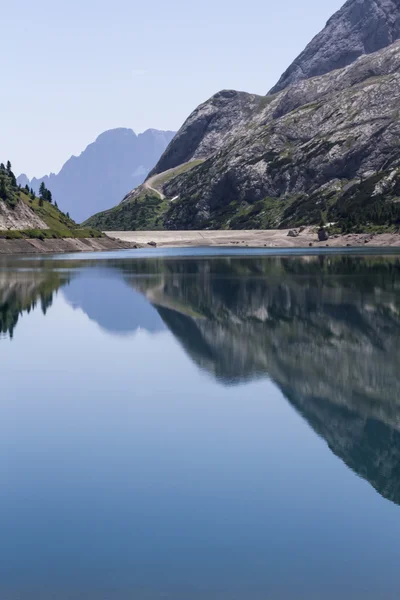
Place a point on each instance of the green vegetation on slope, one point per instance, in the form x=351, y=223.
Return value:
x=60, y=225
x=145, y=212
x=8, y=185
x=160, y=180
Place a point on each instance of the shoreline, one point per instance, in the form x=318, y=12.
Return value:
x=129, y=240
x=275, y=238
x=63, y=245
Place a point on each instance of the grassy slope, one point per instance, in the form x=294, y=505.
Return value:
x=160, y=180
x=145, y=212
x=60, y=226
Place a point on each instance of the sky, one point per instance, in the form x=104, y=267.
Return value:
x=72, y=69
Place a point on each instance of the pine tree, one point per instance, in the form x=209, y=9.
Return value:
x=8, y=166
x=42, y=191
x=3, y=188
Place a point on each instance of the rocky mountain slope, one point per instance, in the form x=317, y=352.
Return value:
x=324, y=145
x=105, y=171
x=359, y=27
x=319, y=147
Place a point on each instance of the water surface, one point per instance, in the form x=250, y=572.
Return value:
x=200, y=425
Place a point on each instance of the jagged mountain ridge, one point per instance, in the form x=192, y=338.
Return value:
x=359, y=27
x=105, y=171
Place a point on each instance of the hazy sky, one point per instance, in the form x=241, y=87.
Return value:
x=74, y=68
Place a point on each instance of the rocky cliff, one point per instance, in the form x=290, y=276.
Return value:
x=210, y=128
x=359, y=27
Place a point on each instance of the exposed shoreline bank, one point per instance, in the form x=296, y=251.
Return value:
x=127, y=240
x=255, y=239
x=65, y=245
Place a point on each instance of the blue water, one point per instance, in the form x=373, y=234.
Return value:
x=208, y=426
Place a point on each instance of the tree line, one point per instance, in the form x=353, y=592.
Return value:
x=9, y=188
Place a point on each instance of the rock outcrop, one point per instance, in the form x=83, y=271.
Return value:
x=19, y=217
x=210, y=128
x=359, y=27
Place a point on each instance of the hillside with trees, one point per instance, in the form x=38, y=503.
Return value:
x=25, y=215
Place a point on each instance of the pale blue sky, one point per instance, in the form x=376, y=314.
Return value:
x=72, y=69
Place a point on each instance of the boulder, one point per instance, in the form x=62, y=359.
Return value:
x=323, y=235
x=293, y=233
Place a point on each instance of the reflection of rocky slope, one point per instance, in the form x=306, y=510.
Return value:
x=21, y=291
x=326, y=331
x=368, y=445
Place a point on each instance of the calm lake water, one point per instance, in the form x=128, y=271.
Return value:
x=194, y=425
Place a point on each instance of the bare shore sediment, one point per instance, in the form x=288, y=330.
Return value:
x=127, y=240
x=67, y=245
x=254, y=239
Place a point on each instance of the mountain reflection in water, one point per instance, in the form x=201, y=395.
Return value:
x=326, y=330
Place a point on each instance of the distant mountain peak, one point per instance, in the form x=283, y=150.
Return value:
x=359, y=27
x=117, y=161
x=115, y=134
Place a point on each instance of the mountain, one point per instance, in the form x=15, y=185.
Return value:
x=359, y=27
x=105, y=171
x=318, y=147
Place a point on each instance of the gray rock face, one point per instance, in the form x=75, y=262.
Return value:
x=320, y=142
x=359, y=27
x=209, y=128
x=105, y=171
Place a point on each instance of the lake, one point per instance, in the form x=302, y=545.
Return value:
x=200, y=424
